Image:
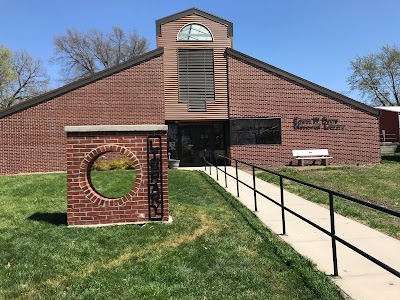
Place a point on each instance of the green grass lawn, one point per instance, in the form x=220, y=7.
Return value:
x=378, y=184
x=113, y=183
x=213, y=249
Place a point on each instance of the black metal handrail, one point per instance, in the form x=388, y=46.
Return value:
x=331, y=233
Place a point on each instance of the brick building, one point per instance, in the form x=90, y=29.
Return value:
x=211, y=97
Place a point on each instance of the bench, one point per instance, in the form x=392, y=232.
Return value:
x=314, y=154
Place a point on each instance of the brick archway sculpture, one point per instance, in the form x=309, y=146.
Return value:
x=145, y=146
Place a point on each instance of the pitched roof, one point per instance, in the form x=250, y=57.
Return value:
x=339, y=97
x=81, y=82
x=189, y=12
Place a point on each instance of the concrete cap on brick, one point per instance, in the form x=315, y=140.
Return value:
x=97, y=128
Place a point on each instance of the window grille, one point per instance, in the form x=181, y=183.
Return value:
x=194, y=32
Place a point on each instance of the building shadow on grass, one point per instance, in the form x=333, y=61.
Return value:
x=391, y=158
x=54, y=218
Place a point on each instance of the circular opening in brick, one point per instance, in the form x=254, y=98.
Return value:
x=112, y=175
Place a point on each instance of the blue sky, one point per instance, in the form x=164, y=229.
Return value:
x=313, y=39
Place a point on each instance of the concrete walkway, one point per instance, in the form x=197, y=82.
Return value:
x=358, y=277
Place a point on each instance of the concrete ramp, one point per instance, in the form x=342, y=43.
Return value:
x=358, y=277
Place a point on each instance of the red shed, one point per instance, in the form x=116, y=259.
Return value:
x=389, y=124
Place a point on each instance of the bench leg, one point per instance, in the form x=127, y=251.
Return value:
x=301, y=162
x=324, y=161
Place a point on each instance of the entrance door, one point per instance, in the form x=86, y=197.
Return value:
x=193, y=139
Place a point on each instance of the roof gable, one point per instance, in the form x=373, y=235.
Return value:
x=301, y=81
x=192, y=11
x=81, y=82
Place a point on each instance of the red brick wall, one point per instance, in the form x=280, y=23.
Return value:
x=33, y=140
x=254, y=92
x=85, y=206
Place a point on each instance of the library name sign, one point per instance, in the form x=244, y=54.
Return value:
x=317, y=123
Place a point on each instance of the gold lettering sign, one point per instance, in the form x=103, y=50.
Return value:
x=316, y=123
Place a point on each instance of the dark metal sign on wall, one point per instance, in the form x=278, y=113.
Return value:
x=155, y=180
x=317, y=123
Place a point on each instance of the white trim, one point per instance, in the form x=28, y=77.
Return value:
x=194, y=23
x=310, y=152
x=169, y=221
x=146, y=127
x=389, y=108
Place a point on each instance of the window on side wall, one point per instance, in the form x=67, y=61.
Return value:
x=196, y=78
x=266, y=131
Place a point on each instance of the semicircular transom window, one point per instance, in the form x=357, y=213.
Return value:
x=194, y=32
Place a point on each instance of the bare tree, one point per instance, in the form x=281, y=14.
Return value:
x=31, y=78
x=377, y=76
x=82, y=54
x=28, y=79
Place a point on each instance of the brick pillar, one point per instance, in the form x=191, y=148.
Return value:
x=85, y=144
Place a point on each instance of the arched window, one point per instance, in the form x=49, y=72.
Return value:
x=194, y=32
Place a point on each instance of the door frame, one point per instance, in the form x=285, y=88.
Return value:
x=196, y=140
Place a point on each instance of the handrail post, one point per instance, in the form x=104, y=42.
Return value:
x=254, y=189
x=204, y=159
x=216, y=164
x=237, y=178
x=209, y=164
x=282, y=206
x=333, y=235
x=226, y=180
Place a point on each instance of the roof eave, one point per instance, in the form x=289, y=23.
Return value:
x=191, y=11
x=342, y=98
x=81, y=82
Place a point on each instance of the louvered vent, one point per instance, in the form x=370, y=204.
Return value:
x=196, y=77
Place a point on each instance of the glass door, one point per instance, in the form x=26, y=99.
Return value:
x=187, y=145
x=194, y=139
